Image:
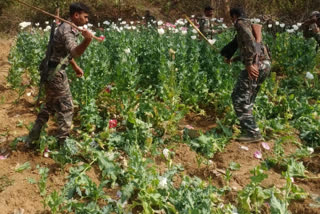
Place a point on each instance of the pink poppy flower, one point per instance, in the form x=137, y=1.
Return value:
x=257, y=155
x=170, y=25
x=189, y=127
x=102, y=38
x=113, y=124
x=2, y=157
x=46, y=153
x=265, y=145
x=108, y=89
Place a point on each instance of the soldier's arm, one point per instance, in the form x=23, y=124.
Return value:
x=247, y=38
x=79, y=50
x=76, y=68
x=69, y=37
x=201, y=25
x=229, y=50
x=249, y=49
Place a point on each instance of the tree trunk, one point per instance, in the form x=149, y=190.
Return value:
x=226, y=7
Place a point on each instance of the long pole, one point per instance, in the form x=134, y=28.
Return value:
x=197, y=29
x=57, y=17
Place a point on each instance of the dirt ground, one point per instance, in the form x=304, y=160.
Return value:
x=17, y=191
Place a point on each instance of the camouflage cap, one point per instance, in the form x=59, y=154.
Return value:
x=314, y=13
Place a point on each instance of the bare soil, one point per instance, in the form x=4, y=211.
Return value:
x=17, y=192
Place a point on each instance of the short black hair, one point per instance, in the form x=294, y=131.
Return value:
x=78, y=7
x=208, y=8
x=237, y=11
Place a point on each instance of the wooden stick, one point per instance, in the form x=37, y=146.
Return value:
x=57, y=17
x=197, y=29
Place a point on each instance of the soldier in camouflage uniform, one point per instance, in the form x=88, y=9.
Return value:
x=257, y=61
x=206, y=23
x=311, y=28
x=58, y=96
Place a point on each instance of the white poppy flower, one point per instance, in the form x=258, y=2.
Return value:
x=161, y=31
x=47, y=28
x=212, y=41
x=277, y=23
x=193, y=37
x=299, y=24
x=163, y=183
x=310, y=150
x=309, y=76
x=194, y=31
x=295, y=27
x=24, y=25
x=37, y=24
x=131, y=22
x=269, y=25
x=166, y=153
x=282, y=25
x=184, y=32
x=47, y=22
x=160, y=22
x=106, y=22
x=127, y=50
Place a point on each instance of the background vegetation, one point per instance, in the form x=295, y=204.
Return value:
x=11, y=13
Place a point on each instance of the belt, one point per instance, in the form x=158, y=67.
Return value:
x=53, y=64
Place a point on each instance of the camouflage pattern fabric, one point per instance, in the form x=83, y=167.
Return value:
x=244, y=95
x=64, y=41
x=206, y=27
x=310, y=32
x=246, y=41
x=58, y=96
x=246, y=90
x=59, y=102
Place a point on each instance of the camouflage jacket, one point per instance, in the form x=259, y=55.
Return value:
x=207, y=27
x=309, y=31
x=246, y=41
x=250, y=51
x=64, y=41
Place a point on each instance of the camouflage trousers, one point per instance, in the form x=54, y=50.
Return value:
x=243, y=98
x=58, y=101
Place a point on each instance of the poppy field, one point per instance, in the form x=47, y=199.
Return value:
x=142, y=89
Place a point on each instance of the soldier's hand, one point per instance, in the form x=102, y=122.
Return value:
x=253, y=71
x=87, y=34
x=79, y=71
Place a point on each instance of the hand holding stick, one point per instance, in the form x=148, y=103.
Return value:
x=197, y=29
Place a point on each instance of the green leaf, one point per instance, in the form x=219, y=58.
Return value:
x=31, y=181
x=21, y=168
x=295, y=169
x=234, y=166
x=277, y=206
x=258, y=178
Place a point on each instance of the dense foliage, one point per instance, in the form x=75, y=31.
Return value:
x=138, y=84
